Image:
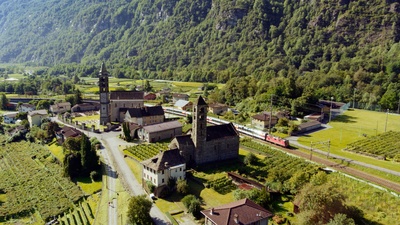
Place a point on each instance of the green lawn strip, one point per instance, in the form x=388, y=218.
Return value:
x=57, y=151
x=88, y=185
x=349, y=128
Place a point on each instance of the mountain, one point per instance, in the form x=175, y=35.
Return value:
x=213, y=40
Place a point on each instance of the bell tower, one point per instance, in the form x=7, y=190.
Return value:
x=199, y=127
x=104, y=95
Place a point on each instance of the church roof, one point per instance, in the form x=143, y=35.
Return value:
x=146, y=111
x=221, y=131
x=165, y=160
x=128, y=95
x=103, y=68
x=162, y=126
x=200, y=101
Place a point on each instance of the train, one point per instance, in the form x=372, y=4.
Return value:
x=255, y=133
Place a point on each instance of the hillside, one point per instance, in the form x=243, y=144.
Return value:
x=329, y=47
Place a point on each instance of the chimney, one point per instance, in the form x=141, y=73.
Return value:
x=166, y=164
x=236, y=218
x=212, y=211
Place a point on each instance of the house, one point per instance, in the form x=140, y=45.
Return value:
x=244, y=212
x=26, y=107
x=149, y=96
x=207, y=144
x=162, y=167
x=217, y=108
x=308, y=126
x=262, y=120
x=10, y=117
x=145, y=115
x=61, y=107
x=160, y=131
x=84, y=107
x=67, y=132
x=184, y=105
x=177, y=96
x=35, y=117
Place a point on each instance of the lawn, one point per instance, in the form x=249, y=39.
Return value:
x=89, y=186
x=352, y=126
x=57, y=151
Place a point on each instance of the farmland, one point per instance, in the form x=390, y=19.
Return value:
x=145, y=151
x=32, y=181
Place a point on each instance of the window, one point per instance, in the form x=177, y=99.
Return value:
x=180, y=169
x=162, y=181
x=162, y=172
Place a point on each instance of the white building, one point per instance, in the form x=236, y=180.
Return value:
x=10, y=117
x=35, y=117
x=159, y=169
x=61, y=107
x=25, y=107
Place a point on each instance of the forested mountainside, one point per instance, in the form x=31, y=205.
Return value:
x=289, y=48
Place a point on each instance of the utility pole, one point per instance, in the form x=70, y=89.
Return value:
x=387, y=113
x=311, y=145
x=270, y=117
x=354, y=98
x=330, y=110
x=398, y=107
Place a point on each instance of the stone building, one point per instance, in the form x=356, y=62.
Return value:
x=145, y=115
x=113, y=105
x=207, y=144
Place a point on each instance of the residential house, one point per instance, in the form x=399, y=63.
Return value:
x=177, y=96
x=10, y=117
x=26, y=107
x=244, y=212
x=162, y=167
x=35, y=117
x=262, y=120
x=145, y=115
x=217, y=108
x=67, y=132
x=149, y=96
x=61, y=107
x=184, y=105
x=160, y=131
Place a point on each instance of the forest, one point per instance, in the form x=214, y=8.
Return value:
x=295, y=51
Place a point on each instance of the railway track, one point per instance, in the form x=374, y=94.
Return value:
x=342, y=168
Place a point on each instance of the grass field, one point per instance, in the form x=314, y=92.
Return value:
x=352, y=126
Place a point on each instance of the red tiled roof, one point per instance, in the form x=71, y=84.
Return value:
x=247, y=212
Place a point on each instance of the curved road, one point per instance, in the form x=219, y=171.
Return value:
x=117, y=167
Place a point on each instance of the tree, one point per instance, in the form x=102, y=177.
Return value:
x=43, y=104
x=77, y=97
x=72, y=165
x=3, y=101
x=341, y=219
x=89, y=158
x=182, y=186
x=139, y=210
x=147, y=86
x=192, y=204
x=250, y=159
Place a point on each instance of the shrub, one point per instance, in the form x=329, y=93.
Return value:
x=182, y=186
x=250, y=159
x=192, y=204
x=150, y=186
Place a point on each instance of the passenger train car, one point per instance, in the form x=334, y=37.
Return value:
x=242, y=129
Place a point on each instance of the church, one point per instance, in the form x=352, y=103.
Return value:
x=207, y=144
x=113, y=105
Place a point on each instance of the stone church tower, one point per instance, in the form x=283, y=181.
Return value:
x=104, y=95
x=199, y=126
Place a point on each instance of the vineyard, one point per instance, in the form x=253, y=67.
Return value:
x=222, y=185
x=32, y=181
x=384, y=146
x=145, y=151
x=276, y=161
x=82, y=214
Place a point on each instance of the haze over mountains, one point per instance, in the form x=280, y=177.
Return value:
x=327, y=45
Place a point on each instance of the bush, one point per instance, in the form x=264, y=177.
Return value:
x=150, y=186
x=182, y=186
x=95, y=175
x=192, y=204
x=250, y=159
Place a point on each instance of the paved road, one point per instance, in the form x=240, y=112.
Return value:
x=117, y=168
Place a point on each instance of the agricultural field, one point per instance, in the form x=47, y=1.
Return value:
x=384, y=145
x=145, y=151
x=32, y=182
x=355, y=125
